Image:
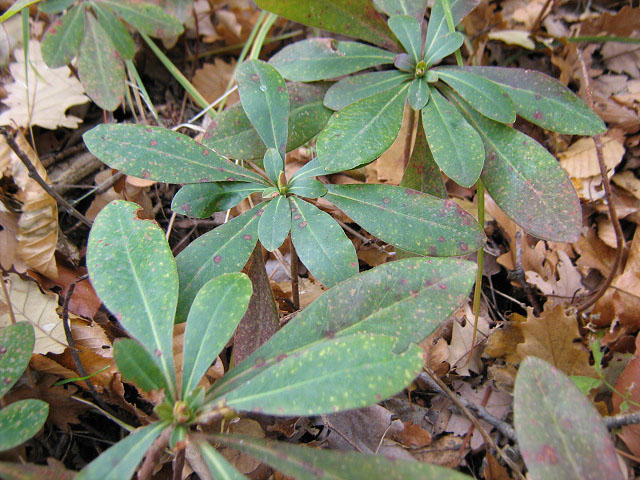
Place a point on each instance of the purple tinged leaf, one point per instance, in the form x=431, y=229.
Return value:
x=63, y=37
x=403, y=62
x=414, y=8
x=146, y=17
x=116, y=30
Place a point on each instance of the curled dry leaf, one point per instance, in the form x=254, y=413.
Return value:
x=460, y=345
x=563, y=285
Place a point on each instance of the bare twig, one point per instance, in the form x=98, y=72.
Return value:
x=153, y=455
x=295, y=288
x=520, y=276
x=541, y=16
x=622, y=420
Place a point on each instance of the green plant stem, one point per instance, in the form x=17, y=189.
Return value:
x=131, y=68
x=452, y=27
x=234, y=47
x=262, y=34
x=598, y=39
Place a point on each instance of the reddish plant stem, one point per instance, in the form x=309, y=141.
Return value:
x=295, y=287
x=153, y=454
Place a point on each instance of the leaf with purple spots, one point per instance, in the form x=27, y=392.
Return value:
x=409, y=219
x=20, y=421
x=156, y=153
x=137, y=366
x=116, y=30
x=306, y=463
x=560, y=433
x=321, y=243
x=63, y=37
x=16, y=345
x=201, y=200
x=146, y=17
x=275, y=223
x=134, y=273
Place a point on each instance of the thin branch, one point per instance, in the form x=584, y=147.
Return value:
x=295, y=287
x=153, y=454
x=618, y=421
x=520, y=275
x=541, y=16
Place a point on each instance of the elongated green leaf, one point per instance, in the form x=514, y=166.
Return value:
x=543, y=100
x=273, y=164
x=146, y=17
x=120, y=461
x=422, y=172
x=442, y=47
x=218, y=466
x=362, y=131
x=231, y=133
x=62, y=39
x=133, y=271
x=311, y=169
x=100, y=68
x=214, y=316
x=200, y=200
x=321, y=243
x=325, y=58
x=306, y=463
x=351, y=89
x=275, y=223
x=16, y=347
x=419, y=93
x=138, y=366
x=20, y=421
x=307, y=187
x=455, y=145
x=54, y=6
x=560, y=433
x=415, y=8
x=329, y=376
x=162, y=155
x=403, y=62
x=116, y=30
x=223, y=250
x=265, y=100
x=527, y=182
x=407, y=299
x=437, y=27
x=355, y=18
x=29, y=471
x=409, y=219
x=485, y=96
x=407, y=30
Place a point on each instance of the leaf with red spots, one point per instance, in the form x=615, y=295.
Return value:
x=146, y=17
x=231, y=133
x=16, y=345
x=275, y=223
x=137, y=366
x=526, y=181
x=156, y=153
x=407, y=299
x=455, y=145
x=321, y=243
x=201, y=200
x=63, y=37
x=100, y=67
x=30, y=471
x=415, y=8
x=332, y=375
x=351, y=89
x=218, y=466
x=224, y=249
x=20, y=421
x=116, y=30
x=560, y=433
x=306, y=463
x=326, y=58
x=355, y=18
x=362, y=131
x=543, y=100
x=133, y=272
x=409, y=219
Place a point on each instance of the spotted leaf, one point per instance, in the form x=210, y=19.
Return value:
x=20, y=421
x=201, y=200
x=63, y=37
x=351, y=89
x=146, y=17
x=16, y=345
x=136, y=365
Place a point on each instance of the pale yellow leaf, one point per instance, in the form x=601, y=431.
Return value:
x=513, y=37
x=628, y=181
x=460, y=345
x=581, y=159
x=212, y=79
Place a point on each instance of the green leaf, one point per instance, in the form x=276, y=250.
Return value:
x=54, y=6
x=407, y=30
x=201, y=200
x=225, y=249
x=265, y=100
x=544, y=100
x=527, y=182
x=162, y=155
x=437, y=27
x=407, y=299
x=307, y=463
x=354, y=18
x=419, y=94
x=218, y=466
x=16, y=346
x=455, y=145
x=403, y=62
x=362, y=131
x=485, y=96
x=29, y=471
x=231, y=133
x=275, y=223
x=310, y=169
x=409, y=219
x=321, y=243
x=138, y=366
x=415, y=8
x=120, y=461
x=116, y=30
x=214, y=316
x=422, y=172
x=307, y=187
x=324, y=58
x=585, y=384
x=560, y=433
x=273, y=164
x=20, y=421
x=351, y=89
x=442, y=47
x=63, y=37
x=329, y=376
x=146, y=18
x=133, y=272
x=99, y=66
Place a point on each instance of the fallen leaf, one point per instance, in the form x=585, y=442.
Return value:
x=627, y=390
x=445, y=451
x=504, y=339
x=412, y=436
x=562, y=286
x=513, y=37
x=211, y=80
x=460, y=345
x=581, y=159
